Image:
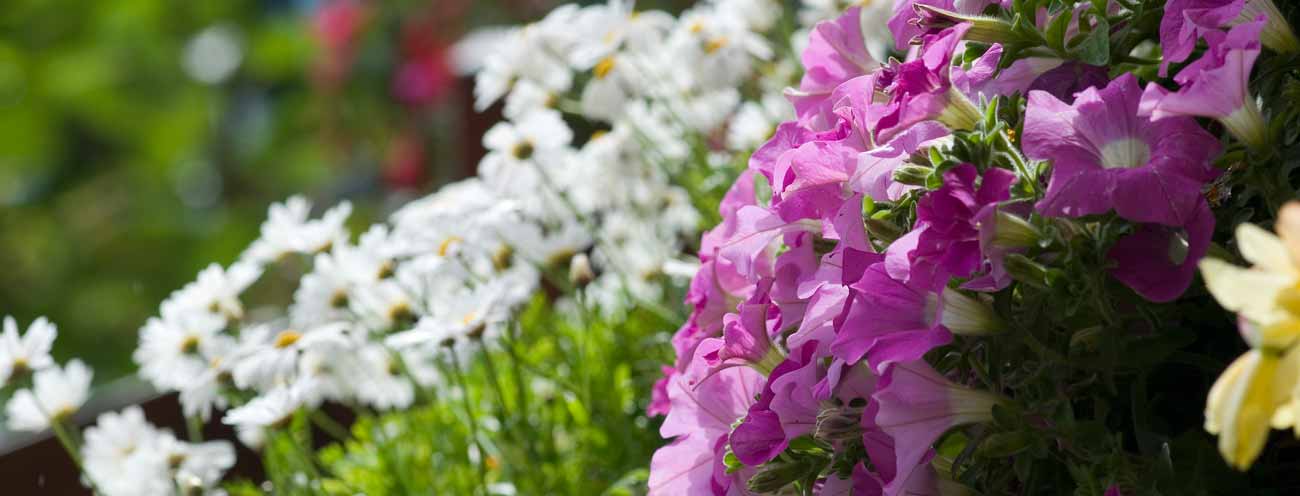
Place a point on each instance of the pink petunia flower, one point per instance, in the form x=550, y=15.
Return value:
x=703, y=408
x=915, y=406
x=1217, y=86
x=1107, y=155
x=1186, y=21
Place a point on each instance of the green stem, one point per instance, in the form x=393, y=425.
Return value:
x=194, y=429
x=69, y=444
x=329, y=425
x=459, y=375
x=1018, y=161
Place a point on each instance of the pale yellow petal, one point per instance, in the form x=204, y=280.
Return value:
x=1264, y=249
x=1248, y=411
x=1227, y=385
x=1252, y=293
x=1288, y=229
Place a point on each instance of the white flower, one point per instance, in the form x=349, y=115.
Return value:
x=170, y=354
x=754, y=123
x=531, y=53
x=322, y=294
x=197, y=466
x=267, y=358
x=201, y=395
x=57, y=393
x=288, y=230
x=617, y=26
x=517, y=150
x=274, y=407
x=377, y=379
x=528, y=97
x=383, y=306
x=27, y=353
x=548, y=247
x=216, y=291
x=757, y=15
x=121, y=455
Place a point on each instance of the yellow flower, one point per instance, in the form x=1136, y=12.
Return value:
x=1267, y=295
x=1258, y=391
x=1253, y=394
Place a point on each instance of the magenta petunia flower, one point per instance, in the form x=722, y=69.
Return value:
x=905, y=25
x=915, y=405
x=836, y=53
x=702, y=408
x=1186, y=21
x=874, y=174
x=768, y=427
x=946, y=236
x=1002, y=230
x=659, y=403
x=921, y=89
x=889, y=320
x=1159, y=262
x=1106, y=155
x=1217, y=86
x=745, y=335
x=1059, y=77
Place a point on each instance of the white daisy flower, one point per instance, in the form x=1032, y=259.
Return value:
x=275, y=407
x=289, y=229
x=516, y=150
x=56, y=394
x=20, y=355
x=170, y=351
x=267, y=358
x=121, y=455
x=216, y=290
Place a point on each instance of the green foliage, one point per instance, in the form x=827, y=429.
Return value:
x=556, y=408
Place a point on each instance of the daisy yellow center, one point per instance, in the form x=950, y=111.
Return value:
x=469, y=317
x=339, y=299
x=190, y=344
x=62, y=414
x=715, y=44
x=603, y=67
x=19, y=368
x=446, y=245
x=522, y=150
x=386, y=270
x=1126, y=153
x=287, y=338
x=400, y=312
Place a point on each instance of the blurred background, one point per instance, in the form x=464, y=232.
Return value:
x=141, y=140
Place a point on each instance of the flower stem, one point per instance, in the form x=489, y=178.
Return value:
x=459, y=374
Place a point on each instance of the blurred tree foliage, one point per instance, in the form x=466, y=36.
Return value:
x=141, y=140
x=123, y=172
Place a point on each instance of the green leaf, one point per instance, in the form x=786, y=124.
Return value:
x=1004, y=444
x=1095, y=47
x=1056, y=30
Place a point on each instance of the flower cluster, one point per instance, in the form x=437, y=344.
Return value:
x=905, y=219
x=384, y=319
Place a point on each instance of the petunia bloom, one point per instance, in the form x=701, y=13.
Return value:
x=836, y=53
x=703, y=408
x=1186, y=21
x=1106, y=155
x=895, y=321
x=921, y=89
x=1216, y=86
x=916, y=405
x=946, y=236
x=1159, y=262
